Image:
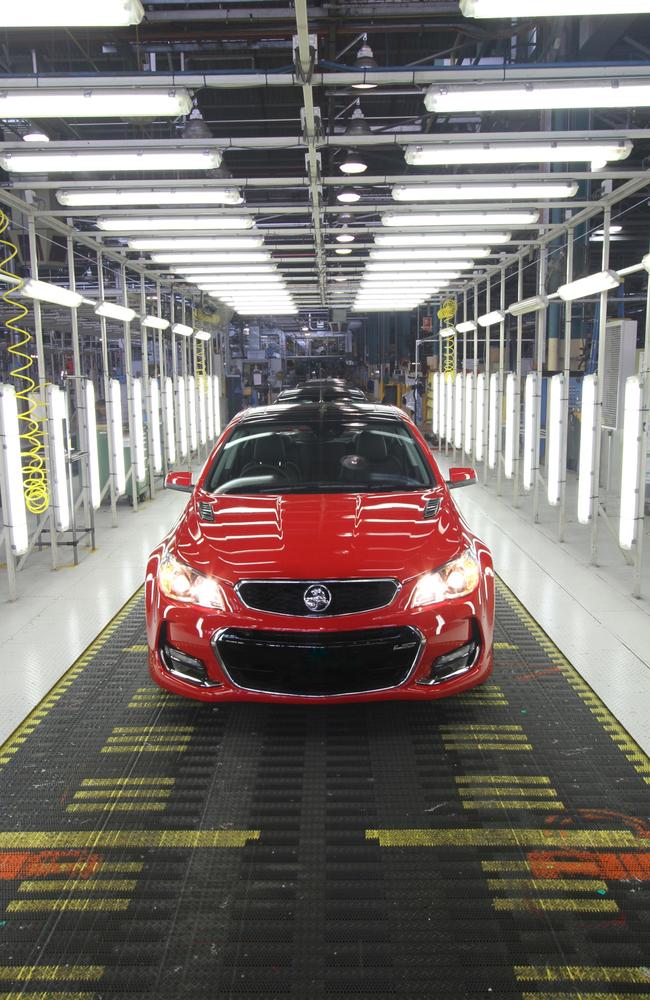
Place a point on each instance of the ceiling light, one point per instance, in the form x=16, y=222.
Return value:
x=525, y=306
x=73, y=14
x=449, y=331
x=203, y=335
x=109, y=161
x=484, y=192
x=130, y=224
x=112, y=311
x=346, y=195
x=254, y=257
x=439, y=239
x=613, y=230
x=195, y=127
x=431, y=255
x=412, y=277
x=422, y=267
x=104, y=102
x=454, y=219
x=594, y=151
x=35, y=135
x=345, y=238
x=550, y=8
x=365, y=60
x=491, y=318
x=150, y=196
x=602, y=281
x=182, y=330
x=206, y=270
x=467, y=327
x=387, y=307
x=539, y=96
x=155, y=322
x=197, y=243
x=43, y=291
x=353, y=163
x=357, y=124
x=339, y=277
x=266, y=311
x=343, y=251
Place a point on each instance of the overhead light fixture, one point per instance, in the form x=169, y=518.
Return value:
x=155, y=418
x=530, y=422
x=449, y=409
x=112, y=311
x=409, y=277
x=90, y=432
x=511, y=428
x=593, y=151
x=587, y=449
x=195, y=127
x=181, y=411
x=458, y=410
x=56, y=430
x=435, y=402
x=484, y=192
x=442, y=418
x=203, y=416
x=602, y=281
x=348, y=196
x=415, y=240
x=343, y=251
x=110, y=161
x=73, y=14
x=431, y=255
x=535, y=304
x=266, y=311
x=393, y=307
x=164, y=197
x=129, y=224
x=365, y=61
x=345, y=238
x=493, y=410
x=467, y=326
x=191, y=399
x=35, y=135
x=214, y=284
x=469, y=409
x=155, y=322
x=554, y=434
x=203, y=335
x=631, y=515
x=182, y=330
x=170, y=429
x=426, y=267
x=14, y=512
x=452, y=220
x=357, y=124
x=353, y=163
x=43, y=291
x=99, y=102
x=491, y=318
x=216, y=399
x=196, y=243
x=549, y=8
x=201, y=258
x=117, y=438
x=339, y=277
x=209, y=398
x=539, y=96
x=598, y=235
x=480, y=417
x=139, y=461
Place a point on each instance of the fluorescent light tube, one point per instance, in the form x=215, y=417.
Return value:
x=466, y=327
x=102, y=102
x=182, y=415
x=480, y=417
x=197, y=243
x=408, y=277
x=73, y=14
x=394, y=307
x=14, y=512
x=416, y=240
x=203, y=416
x=170, y=430
x=530, y=417
x=155, y=418
x=191, y=398
x=556, y=151
x=435, y=402
x=87, y=198
x=182, y=330
x=254, y=257
x=452, y=220
x=539, y=96
x=203, y=335
x=56, y=418
x=214, y=283
x=117, y=438
x=208, y=271
x=525, y=306
x=442, y=420
x=90, y=425
x=631, y=517
x=554, y=430
x=421, y=268
x=112, y=311
x=43, y=291
x=216, y=398
x=209, y=398
x=138, y=428
x=550, y=8
x=587, y=449
x=512, y=427
x=432, y=254
x=469, y=406
x=449, y=409
x=484, y=192
x=602, y=281
x=155, y=322
x=493, y=410
x=446, y=332
x=153, y=223
x=109, y=161
x=491, y=318
x=458, y=411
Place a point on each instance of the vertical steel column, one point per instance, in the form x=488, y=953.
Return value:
x=130, y=411
x=642, y=458
x=602, y=347
x=500, y=382
x=107, y=391
x=39, y=392
x=540, y=328
x=568, y=322
x=79, y=393
x=516, y=438
x=486, y=391
x=146, y=395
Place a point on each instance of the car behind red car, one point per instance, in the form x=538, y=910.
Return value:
x=320, y=558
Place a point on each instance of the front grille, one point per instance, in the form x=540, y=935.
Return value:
x=318, y=664
x=286, y=597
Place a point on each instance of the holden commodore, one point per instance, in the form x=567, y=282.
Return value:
x=320, y=557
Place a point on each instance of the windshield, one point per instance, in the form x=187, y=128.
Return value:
x=355, y=455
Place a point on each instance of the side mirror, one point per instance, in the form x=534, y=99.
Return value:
x=461, y=477
x=181, y=481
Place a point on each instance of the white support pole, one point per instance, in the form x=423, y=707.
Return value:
x=79, y=390
x=568, y=324
x=130, y=405
x=499, y=386
x=107, y=392
x=643, y=448
x=602, y=351
x=146, y=385
x=541, y=321
x=486, y=387
x=516, y=403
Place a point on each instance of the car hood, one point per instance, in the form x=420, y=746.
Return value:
x=324, y=536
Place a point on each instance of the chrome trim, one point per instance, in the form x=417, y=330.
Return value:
x=311, y=583
x=187, y=678
x=436, y=681
x=319, y=697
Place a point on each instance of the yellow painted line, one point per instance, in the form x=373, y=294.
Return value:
x=119, y=867
x=505, y=866
x=505, y=645
x=61, y=905
x=153, y=729
x=121, y=782
x=480, y=729
x=78, y=885
x=150, y=738
x=90, y=807
x=125, y=793
x=50, y=973
x=138, y=648
x=505, y=792
x=512, y=804
x=469, y=837
x=21, y=995
x=501, y=779
x=584, y=974
x=541, y=884
x=557, y=905
x=484, y=737
x=146, y=748
x=488, y=746
x=49, y=840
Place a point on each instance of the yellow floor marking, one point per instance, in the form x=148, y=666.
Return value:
x=552, y=905
x=488, y=746
x=50, y=973
x=541, y=884
x=153, y=729
x=484, y=738
x=584, y=973
x=125, y=793
x=505, y=645
x=505, y=866
x=146, y=748
x=469, y=837
x=120, y=867
x=501, y=779
x=512, y=804
x=21, y=995
x=505, y=792
x=138, y=648
x=89, y=807
x=49, y=840
x=150, y=738
x=61, y=905
x=119, y=782
x=459, y=728
x=78, y=885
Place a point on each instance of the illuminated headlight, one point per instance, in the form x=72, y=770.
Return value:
x=456, y=579
x=182, y=583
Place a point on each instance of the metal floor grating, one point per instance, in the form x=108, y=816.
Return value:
x=492, y=845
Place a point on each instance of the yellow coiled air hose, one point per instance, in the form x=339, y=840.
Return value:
x=447, y=314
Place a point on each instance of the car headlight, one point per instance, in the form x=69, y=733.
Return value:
x=182, y=583
x=455, y=579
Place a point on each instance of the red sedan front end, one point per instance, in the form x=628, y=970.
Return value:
x=320, y=558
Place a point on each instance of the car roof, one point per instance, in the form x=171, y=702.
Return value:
x=335, y=410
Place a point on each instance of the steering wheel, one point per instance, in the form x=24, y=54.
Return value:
x=263, y=467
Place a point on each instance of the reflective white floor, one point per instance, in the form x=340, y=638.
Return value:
x=586, y=612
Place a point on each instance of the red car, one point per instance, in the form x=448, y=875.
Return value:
x=320, y=558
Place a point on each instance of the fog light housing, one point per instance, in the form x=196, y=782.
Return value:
x=185, y=667
x=454, y=664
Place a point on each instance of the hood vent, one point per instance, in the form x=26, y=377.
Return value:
x=431, y=509
x=206, y=512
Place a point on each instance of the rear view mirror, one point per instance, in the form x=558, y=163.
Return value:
x=181, y=481
x=461, y=477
